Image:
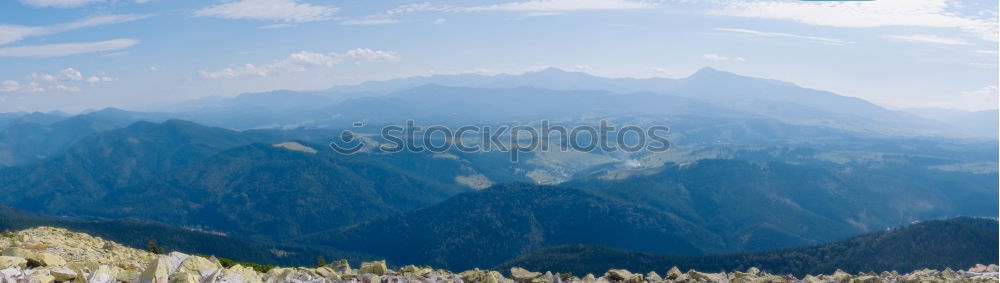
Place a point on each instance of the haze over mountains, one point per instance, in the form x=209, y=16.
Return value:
x=754, y=165
x=708, y=91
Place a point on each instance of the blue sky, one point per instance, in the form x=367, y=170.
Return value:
x=73, y=55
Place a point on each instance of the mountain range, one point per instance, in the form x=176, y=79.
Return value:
x=755, y=166
x=707, y=91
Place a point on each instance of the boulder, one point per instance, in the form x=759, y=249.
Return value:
x=740, y=277
x=340, y=266
x=40, y=258
x=548, y=277
x=621, y=275
x=199, y=266
x=63, y=274
x=279, y=274
x=769, y=279
x=239, y=273
x=483, y=276
x=42, y=276
x=413, y=269
x=18, y=252
x=673, y=273
x=12, y=275
x=694, y=274
x=328, y=273
x=374, y=267
x=868, y=279
x=184, y=277
x=47, y=259
x=522, y=275
x=653, y=277
x=372, y=278
x=157, y=271
x=11, y=261
x=710, y=277
x=103, y=274
x=175, y=259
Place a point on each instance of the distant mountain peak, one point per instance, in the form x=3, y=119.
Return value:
x=551, y=70
x=709, y=72
x=555, y=71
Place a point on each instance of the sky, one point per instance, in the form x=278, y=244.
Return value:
x=74, y=55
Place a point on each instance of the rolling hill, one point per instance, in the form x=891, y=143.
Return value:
x=770, y=205
x=138, y=233
x=484, y=228
x=100, y=164
x=266, y=191
x=937, y=244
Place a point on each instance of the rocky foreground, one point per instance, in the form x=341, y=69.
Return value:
x=45, y=254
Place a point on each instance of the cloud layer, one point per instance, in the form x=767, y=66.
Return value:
x=65, y=49
x=65, y=80
x=923, y=13
x=13, y=33
x=928, y=38
x=302, y=61
x=717, y=57
x=58, y=3
x=272, y=10
x=824, y=40
x=565, y=5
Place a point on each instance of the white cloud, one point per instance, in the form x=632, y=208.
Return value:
x=543, y=14
x=68, y=74
x=43, y=77
x=153, y=68
x=65, y=49
x=66, y=80
x=31, y=87
x=387, y=16
x=274, y=10
x=99, y=79
x=64, y=88
x=928, y=38
x=355, y=22
x=531, y=7
x=824, y=40
x=371, y=55
x=58, y=3
x=9, y=86
x=565, y=5
x=300, y=62
x=924, y=13
x=12, y=33
x=14, y=86
x=715, y=57
x=991, y=90
x=71, y=74
x=416, y=8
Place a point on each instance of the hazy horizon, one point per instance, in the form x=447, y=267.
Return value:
x=72, y=55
